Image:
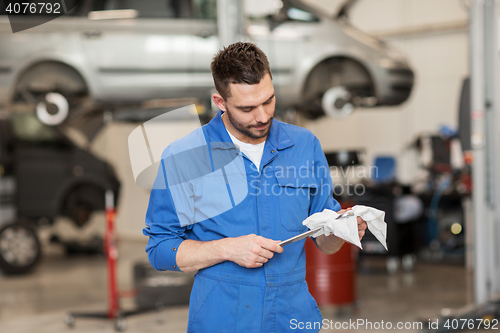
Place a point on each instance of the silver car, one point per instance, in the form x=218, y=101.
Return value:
x=104, y=52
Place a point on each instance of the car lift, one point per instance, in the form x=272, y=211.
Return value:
x=113, y=312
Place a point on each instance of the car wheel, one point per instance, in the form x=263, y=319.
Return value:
x=336, y=102
x=80, y=202
x=53, y=109
x=20, y=248
x=56, y=92
x=334, y=87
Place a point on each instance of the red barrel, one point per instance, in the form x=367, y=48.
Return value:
x=331, y=278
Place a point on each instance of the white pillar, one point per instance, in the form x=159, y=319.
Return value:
x=485, y=145
x=230, y=21
x=492, y=139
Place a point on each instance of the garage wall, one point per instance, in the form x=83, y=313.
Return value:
x=433, y=35
x=440, y=60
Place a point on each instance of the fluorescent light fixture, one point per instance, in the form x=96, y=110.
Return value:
x=113, y=14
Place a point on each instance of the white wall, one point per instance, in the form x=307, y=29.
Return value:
x=440, y=61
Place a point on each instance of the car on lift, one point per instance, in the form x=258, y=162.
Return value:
x=104, y=52
x=43, y=175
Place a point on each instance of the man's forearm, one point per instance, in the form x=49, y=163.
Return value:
x=249, y=251
x=329, y=244
x=194, y=255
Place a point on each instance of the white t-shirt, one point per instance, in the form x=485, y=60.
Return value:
x=253, y=152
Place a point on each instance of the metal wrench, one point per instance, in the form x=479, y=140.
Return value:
x=313, y=231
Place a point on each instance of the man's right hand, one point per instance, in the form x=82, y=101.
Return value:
x=250, y=251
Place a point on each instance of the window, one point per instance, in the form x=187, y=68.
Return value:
x=297, y=14
x=204, y=9
x=293, y=12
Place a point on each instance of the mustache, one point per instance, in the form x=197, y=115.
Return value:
x=263, y=124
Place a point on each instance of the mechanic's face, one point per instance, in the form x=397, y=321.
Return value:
x=249, y=110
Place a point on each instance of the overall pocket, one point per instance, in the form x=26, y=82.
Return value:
x=214, y=306
x=294, y=196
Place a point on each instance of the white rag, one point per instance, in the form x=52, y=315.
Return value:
x=347, y=227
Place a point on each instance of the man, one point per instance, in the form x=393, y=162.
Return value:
x=245, y=282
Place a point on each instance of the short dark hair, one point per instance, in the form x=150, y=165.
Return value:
x=238, y=63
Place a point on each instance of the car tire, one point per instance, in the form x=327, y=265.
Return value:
x=80, y=202
x=332, y=86
x=20, y=248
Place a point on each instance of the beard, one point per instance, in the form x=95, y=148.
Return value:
x=250, y=130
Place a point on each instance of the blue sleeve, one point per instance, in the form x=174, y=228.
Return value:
x=322, y=197
x=163, y=228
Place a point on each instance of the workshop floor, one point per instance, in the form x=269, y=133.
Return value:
x=38, y=302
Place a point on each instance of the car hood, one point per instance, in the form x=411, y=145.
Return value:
x=345, y=8
x=340, y=17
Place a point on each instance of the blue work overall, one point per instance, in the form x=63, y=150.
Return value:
x=292, y=183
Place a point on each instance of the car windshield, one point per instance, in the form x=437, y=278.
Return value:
x=282, y=11
x=199, y=9
x=299, y=14
x=204, y=9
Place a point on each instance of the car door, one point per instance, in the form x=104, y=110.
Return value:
x=139, y=49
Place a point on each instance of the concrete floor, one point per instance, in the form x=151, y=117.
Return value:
x=38, y=302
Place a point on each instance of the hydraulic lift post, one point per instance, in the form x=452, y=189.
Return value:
x=484, y=140
x=492, y=105
x=230, y=21
x=485, y=137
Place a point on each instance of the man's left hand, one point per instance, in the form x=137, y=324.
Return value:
x=361, y=227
